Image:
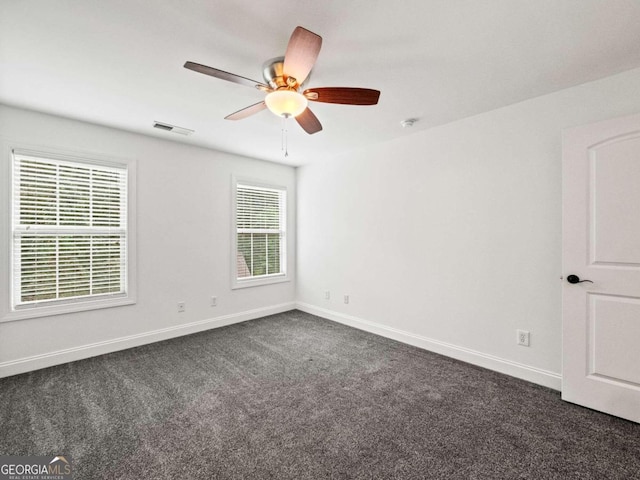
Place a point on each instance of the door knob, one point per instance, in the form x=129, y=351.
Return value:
x=576, y=279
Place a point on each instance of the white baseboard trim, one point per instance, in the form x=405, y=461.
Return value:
x=525, y=372
x=27, y=364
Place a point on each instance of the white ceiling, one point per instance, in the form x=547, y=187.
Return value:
x=120, y=62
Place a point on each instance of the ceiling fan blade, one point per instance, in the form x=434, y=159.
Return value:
x=309, y=122
x=247, y=111
x=302, y=52
x=343, y=95
x=230, y=77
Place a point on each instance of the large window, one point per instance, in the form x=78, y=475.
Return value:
x=260, y=234
x=70, y=234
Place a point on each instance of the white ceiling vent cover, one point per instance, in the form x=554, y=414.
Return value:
x=172, y=128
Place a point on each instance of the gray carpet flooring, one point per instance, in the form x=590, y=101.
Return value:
x=293, y=396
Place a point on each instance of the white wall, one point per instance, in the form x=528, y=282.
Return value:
x=450, y=238
x=183, y=247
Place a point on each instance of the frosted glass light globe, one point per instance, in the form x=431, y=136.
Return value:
x=285, y=103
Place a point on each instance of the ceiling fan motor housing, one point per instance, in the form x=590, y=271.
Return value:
x=273, y=73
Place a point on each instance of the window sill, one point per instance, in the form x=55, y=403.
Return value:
x=256, y=282
x=62, y=308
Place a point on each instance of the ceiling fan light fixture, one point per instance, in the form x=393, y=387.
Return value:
x=287, y=75
x=286, y=103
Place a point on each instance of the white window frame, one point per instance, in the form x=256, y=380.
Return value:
x=268, y=279
x=57, y=307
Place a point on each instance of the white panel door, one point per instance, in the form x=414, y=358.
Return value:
x=601, y=244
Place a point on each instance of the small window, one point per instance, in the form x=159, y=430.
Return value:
x=70, y=234
x=260, y=235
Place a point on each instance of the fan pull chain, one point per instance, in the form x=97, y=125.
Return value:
x=285, y=142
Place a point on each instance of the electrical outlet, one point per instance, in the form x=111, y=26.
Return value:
x=327, y=295
x=214, y=301
x=181, y=307
x=346, y=299
x=523, y=338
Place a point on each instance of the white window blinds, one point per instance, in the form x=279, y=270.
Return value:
x=69, y=225
x=260, y=223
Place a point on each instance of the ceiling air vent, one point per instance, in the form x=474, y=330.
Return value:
x=172, y=128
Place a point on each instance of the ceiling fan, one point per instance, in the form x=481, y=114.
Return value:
x=284, y=80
